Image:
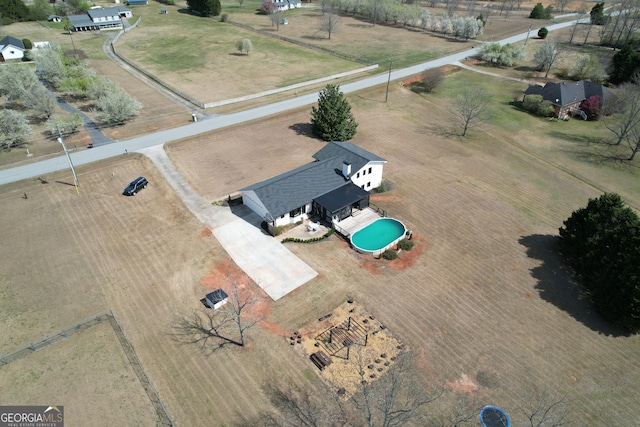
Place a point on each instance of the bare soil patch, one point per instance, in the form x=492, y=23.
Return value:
x=370, y=355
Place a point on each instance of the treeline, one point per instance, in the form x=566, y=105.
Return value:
x=389, y=12
x=28, y=100
x=17, y=11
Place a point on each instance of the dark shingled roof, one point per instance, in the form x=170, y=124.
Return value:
x=290, y=190
x=337, y=199
x=567, y=93
x=217, y=296
x=8, y=40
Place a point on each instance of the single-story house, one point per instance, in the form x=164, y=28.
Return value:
x=107, y=18
x=287, y=4
x=567, y=96
x=137, y=2
x=216, y=299
x=54, y=18
x=331, y=187
x=11, y=48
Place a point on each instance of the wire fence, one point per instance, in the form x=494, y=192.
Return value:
x=82, y=325
x=47, y=340
x=161, y=411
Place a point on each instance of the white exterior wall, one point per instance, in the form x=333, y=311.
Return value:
x=369, y=180
x=12, y=52
x=286, y=219
x=252, y=201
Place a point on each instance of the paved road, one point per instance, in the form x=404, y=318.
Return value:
x=110, y=150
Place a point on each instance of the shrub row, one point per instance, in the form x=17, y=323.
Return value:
x=313, y=240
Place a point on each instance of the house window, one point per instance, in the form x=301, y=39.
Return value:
x=368, y=184
x=363, y=186
x=364, y=172
x=295, y=212
x=358, y=175
x=369, y=170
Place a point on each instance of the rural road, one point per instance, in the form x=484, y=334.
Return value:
x=135, y=144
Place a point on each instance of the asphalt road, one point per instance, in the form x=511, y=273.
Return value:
x=110, y=150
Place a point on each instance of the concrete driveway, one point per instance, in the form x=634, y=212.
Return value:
x=265, y=260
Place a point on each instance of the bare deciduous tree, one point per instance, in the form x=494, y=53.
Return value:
x=395, y=399
x=431, y=78
x=470, y=108
x=330, y=22
x=546, y=56
x=214, y=329
x=622, y=114
x=561, y=4
x=545, y=408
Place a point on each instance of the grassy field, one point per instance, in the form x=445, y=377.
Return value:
x=88, y=373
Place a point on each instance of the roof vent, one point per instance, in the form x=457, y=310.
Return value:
x=346, y=169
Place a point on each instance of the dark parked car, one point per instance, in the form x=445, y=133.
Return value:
x=135, y=186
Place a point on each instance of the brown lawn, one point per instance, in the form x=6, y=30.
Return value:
x=483, y=294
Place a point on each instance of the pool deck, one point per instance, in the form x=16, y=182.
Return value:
x=358, y=220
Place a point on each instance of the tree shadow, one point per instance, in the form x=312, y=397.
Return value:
x=304, y=129
x=557, y=285
x=597, y=151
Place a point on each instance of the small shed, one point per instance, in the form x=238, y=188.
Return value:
x=137, y=2
x=216, y=299
x=54, y=18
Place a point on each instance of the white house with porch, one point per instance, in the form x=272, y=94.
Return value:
x=11, y=48
x=107, y=18
x=330, y=188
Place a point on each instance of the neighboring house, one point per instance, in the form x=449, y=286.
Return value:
x=287, y=4
x=54, y=18
x=567, y=96
x=108, y=18
x=11, y=48
x=329, y=188
x=137, y=2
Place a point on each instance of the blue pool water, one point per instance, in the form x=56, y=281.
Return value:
x=379, y=235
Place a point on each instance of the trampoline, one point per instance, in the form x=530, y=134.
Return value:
x=492, y=416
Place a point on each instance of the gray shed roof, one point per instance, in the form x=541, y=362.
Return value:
x=217, y=296
x=290, y=190
x=566, y=93
x=8, y=40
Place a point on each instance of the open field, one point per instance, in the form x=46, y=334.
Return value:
x=88, y=373
x=482, y=295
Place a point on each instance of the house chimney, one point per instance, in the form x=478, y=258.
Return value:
x=346, y=169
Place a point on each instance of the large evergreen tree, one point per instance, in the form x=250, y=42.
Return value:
x=205, y=7
x=602, y=243
x=13, y=11
x=597, y=14
x=332, y=120
x=624, y=64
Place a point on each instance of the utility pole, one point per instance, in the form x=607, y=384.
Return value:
x=386, y=96
x=75, y=177
x=527, y=39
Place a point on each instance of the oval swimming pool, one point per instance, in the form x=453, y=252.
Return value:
x=378, y=236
